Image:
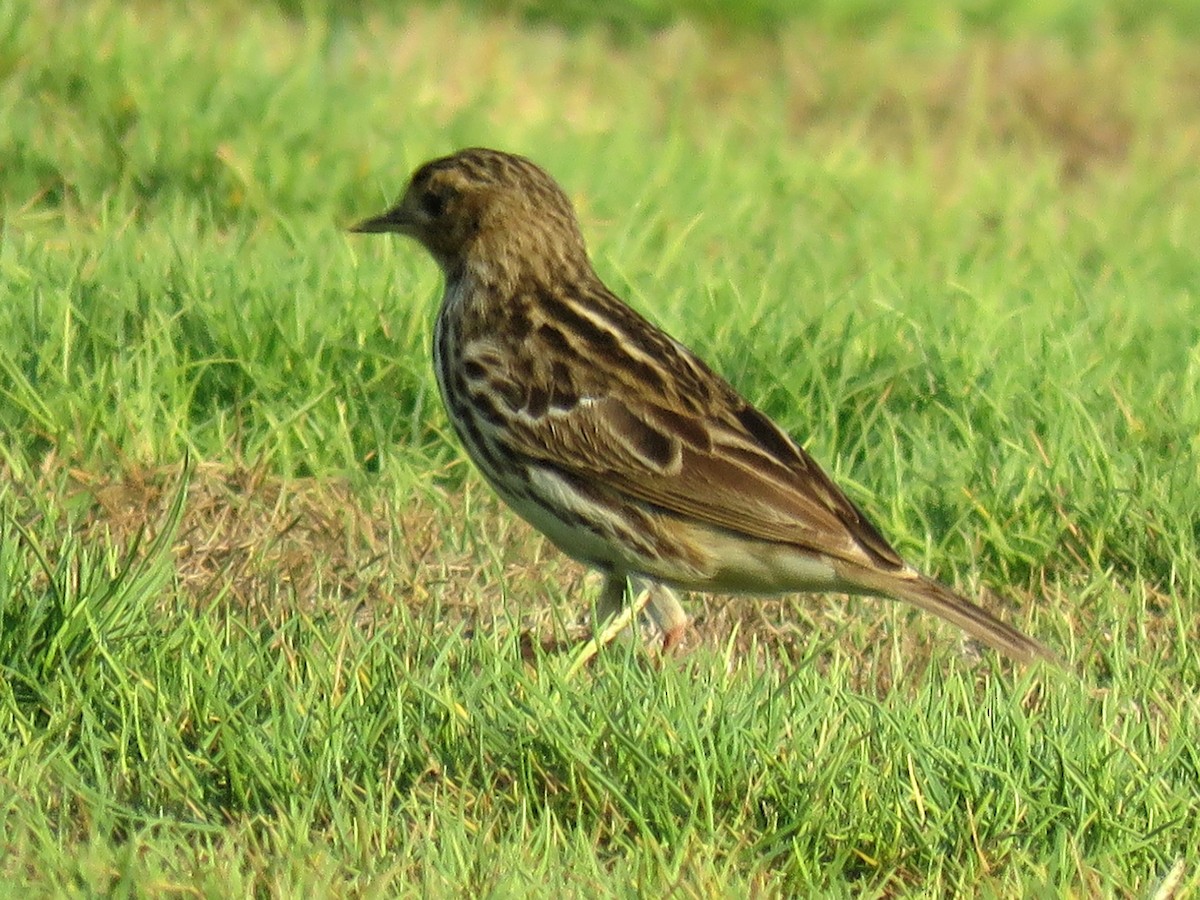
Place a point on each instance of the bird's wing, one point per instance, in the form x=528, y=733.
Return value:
x=726, y=465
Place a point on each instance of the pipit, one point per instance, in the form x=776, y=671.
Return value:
x=612, y=438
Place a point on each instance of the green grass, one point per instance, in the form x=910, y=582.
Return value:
x=953, y=252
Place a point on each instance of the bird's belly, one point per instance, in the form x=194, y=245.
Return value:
x=738, y=564
x=681, y=552
x=570, y=534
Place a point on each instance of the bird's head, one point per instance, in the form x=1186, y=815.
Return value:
x=491, y=213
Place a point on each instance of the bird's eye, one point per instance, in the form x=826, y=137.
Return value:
x=433, y=204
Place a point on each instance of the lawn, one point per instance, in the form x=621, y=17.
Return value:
x=263, y=630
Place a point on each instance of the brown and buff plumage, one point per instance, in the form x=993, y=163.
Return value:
x=614, y=439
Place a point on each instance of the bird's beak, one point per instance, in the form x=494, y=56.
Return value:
x=395, y=219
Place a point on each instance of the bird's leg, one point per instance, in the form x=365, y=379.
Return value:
x=611, y=600
x=612, y=617
x=665, y=611
x=660, y=603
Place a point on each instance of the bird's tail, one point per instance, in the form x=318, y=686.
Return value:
x=934, y=597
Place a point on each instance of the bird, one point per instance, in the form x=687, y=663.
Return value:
x=613, y=439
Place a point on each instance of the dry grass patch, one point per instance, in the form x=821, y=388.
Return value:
x=268, y=545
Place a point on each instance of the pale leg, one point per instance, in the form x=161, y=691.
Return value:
x=612, y=617
x=662, y=607
x=668, y=616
